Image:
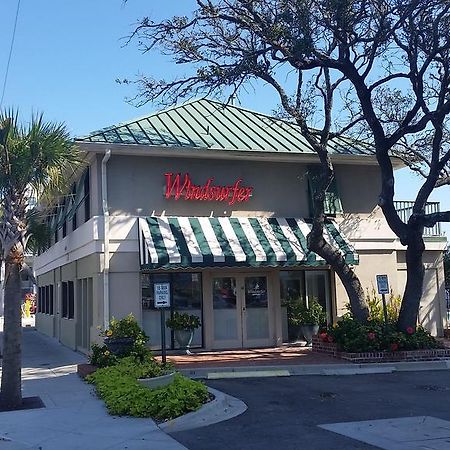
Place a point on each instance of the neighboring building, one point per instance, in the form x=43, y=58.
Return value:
x=215, y=199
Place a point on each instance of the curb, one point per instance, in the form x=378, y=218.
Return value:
x=314, y=369
x=223, y=407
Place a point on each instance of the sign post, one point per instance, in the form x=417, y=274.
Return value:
x=162, y=301
x=383, y=289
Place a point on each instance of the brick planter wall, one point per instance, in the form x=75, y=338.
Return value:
x=330, y=348
x=84, y=370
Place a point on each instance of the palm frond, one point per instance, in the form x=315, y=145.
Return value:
x=36, y=158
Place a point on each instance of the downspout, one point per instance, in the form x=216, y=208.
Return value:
x=105, y=240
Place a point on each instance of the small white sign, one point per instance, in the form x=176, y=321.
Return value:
x=162, y=295
x=383, y=284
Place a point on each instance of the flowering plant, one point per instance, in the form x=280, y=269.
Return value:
x=123, y=328
x=374, y=335
x=100, y=356
x=126, y=328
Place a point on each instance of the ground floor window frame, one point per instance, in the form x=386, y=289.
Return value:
x=151, y=316
x=302, y=287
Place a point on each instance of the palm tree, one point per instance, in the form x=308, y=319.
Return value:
x=34, y=158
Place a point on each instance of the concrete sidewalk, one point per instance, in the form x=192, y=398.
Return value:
x=73, y=417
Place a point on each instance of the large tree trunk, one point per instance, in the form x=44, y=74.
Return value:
x=333, y=256
x=415, y=274
x=11, y=389
x=349, y=280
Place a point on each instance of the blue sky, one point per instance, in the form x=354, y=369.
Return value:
x=68, y=54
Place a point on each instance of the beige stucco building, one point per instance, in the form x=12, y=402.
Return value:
x=214, y=200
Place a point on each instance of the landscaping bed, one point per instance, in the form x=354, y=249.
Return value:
x=331, y=348
x=119, y=388
x=378, y=339
x=119, y=371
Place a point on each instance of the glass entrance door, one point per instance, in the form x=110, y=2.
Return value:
x=255, y=312
x=240, y=312
x=226, y=313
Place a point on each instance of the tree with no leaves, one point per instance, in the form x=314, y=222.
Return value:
x=34, y=160
x=386, y=61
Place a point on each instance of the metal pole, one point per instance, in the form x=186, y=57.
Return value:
x=383, y=298
x=163, y=336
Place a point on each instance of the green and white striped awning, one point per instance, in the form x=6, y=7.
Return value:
x=189, y=242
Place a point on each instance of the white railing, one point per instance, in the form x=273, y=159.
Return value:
x=405, y=209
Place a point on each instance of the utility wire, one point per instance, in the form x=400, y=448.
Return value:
x=10, y=53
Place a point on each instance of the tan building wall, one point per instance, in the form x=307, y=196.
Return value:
x=136, y=187
x=64, y=329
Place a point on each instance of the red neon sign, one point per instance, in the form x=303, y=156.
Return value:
x=185, y=189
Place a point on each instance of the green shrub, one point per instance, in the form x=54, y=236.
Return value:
x=123, y=395
x=100, y=356
x=352, y=336
x=183, y=321
x=299, y=314
x=375, y=304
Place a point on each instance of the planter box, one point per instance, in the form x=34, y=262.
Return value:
x=330, y=348
x=157, y=382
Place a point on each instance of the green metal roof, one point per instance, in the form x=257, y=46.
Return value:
x=208, y=124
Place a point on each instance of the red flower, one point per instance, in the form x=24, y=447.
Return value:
x=394, y=346
x=330, y=339
x=323, y=337
x=410, y=330
x=371, y=336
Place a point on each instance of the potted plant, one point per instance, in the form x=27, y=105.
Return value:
x=152, y=374
x=306, y=318
x=183, y=325
x=124, y=335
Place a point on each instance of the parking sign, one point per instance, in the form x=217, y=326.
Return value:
x=383, y=284
x=162, y=295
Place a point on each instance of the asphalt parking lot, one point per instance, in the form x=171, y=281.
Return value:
x=284, y=413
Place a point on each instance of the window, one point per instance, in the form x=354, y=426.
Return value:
x=292, y=285
x=51, y=300
x=45, y=299
x=64, y=224
x=68, y=306
x=71, y=311
x=64, y=299
x=186, y=296
x=55, y=223
x=39, y=300
x=186, y=290
x=332, y=202
x=74, y=213
x=87, y=196
x=297, y=289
